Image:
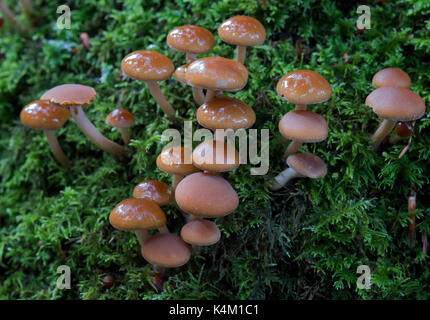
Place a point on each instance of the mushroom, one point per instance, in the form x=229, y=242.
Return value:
x=85, y=39
x=391, y=77
x=75, y=96
x=139, y=215
x=303, y=87
x=393, y=104
x=200, y=232
x=216, y=74
x=300, y=165
x=44, y=115
x=243, y=32
x=121, y=119
x=151, y=66
x=215, y=156
x=180, y=74
x=155, y=190
x=302, y=126
x=403, y=129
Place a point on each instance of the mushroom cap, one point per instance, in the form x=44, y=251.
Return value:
x=120, y=118
x=137, y=214
x=217, y=73
x=307, y=165
x=303, y=126
x=396, y=103
x=404, y=129
x=303, y=87
x=200, y=232
x=176, y=160
x=147, y=65
x=206, y=195
x=70, y=95
x=242, y=31
x=190, y=38
x=391, y=77
x=155, y=190
x=166, y=250
x=215, y=156
x=225, y=113
x=42, y=114
x=180, y=73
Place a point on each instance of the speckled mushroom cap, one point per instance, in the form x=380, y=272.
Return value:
x=120, y=118
x=308, y=165
x=217, y=73
x=147, y=65
x=137, y=214
x=225, y=113
x=303, y=126
x=391, y=77
x=70, y=95
x=180, y=73
x=200, y=232
x=206, y=195
x=397, y=104
x=166, y=250
x=42, y=114
x=155, y=190
x=192, y=39
x=242, y=31
x=215, y=156
x=303, y=87
x=176, y=160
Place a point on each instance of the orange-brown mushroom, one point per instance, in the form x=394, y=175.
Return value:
x=121, y=119
x=155, y=190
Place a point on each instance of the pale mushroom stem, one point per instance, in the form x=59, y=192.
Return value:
x=282, y=179
x=27, y=6
x=198, y=94
x=210, y=94
x=191, y=57
x=164, y=229
x=300, y=107
x=293, y=147
x=94, y=135
x=176, y=179
x=383, y=130
x=125, y=135
x=7, y=12
x=241, y=54
x=161, y=100
x=142, y=236
x=56, y=148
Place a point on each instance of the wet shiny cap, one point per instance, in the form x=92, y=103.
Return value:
x=154, y=190
x=42, y=114
x=404, y=129
x=206, y=195
x=398, y=104
x=225, y=113
x=200, y=232
x=303, y=126
x=137, y=214
x=215, y=156
x=70, y=95
x=391, y=77
x=307, y=165
x=166, y=250
x=147, y=65
x=180, y=73
x=192, y=39
x=303, y=87
x=120, y=118
x=242, y=31
x=176, y=160
x=217, y=73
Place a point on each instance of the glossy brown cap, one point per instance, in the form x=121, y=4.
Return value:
x=404, y=129
x=201, y=232
x=137, y=214
x=303, y=126
x=398, y=104
x=120, y=118
x=147, y=65
x=215, y=156
x=303, y=87
x=70, y=95
x=192, y=39
x=42, y=114
x=217, y=73
x=206, y=195
x=166, y=250
x=180, y=73
x=176, y=160
x=242, y=31
x=391, y=77
x=154, y=190
x=225, y=113
x=307, y=165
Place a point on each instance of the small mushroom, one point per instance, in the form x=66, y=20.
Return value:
x=200, y=232
x=300, y=165
x=242, y=31
x=44, y=115
x=391, y=77
x=215, y=156
x=85, y=39
x=121, y=119
x=155, y=190
x=303, y=87
x=403, y=129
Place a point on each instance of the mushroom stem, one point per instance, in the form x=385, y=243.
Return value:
x=125, y=135
x=94, y=135
x=300, y=107
x=293, y=147
x=161, y=100
x=198, y=95
x=176, y=179
x=27, y=6
x=282, y=179
x=191, y=57
x=142, y=236
x=383, y=130
x=210, y=94
x=412, y=206
x=56, y=148
x=241, y=54
x=164, y=229
x=7, y=12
